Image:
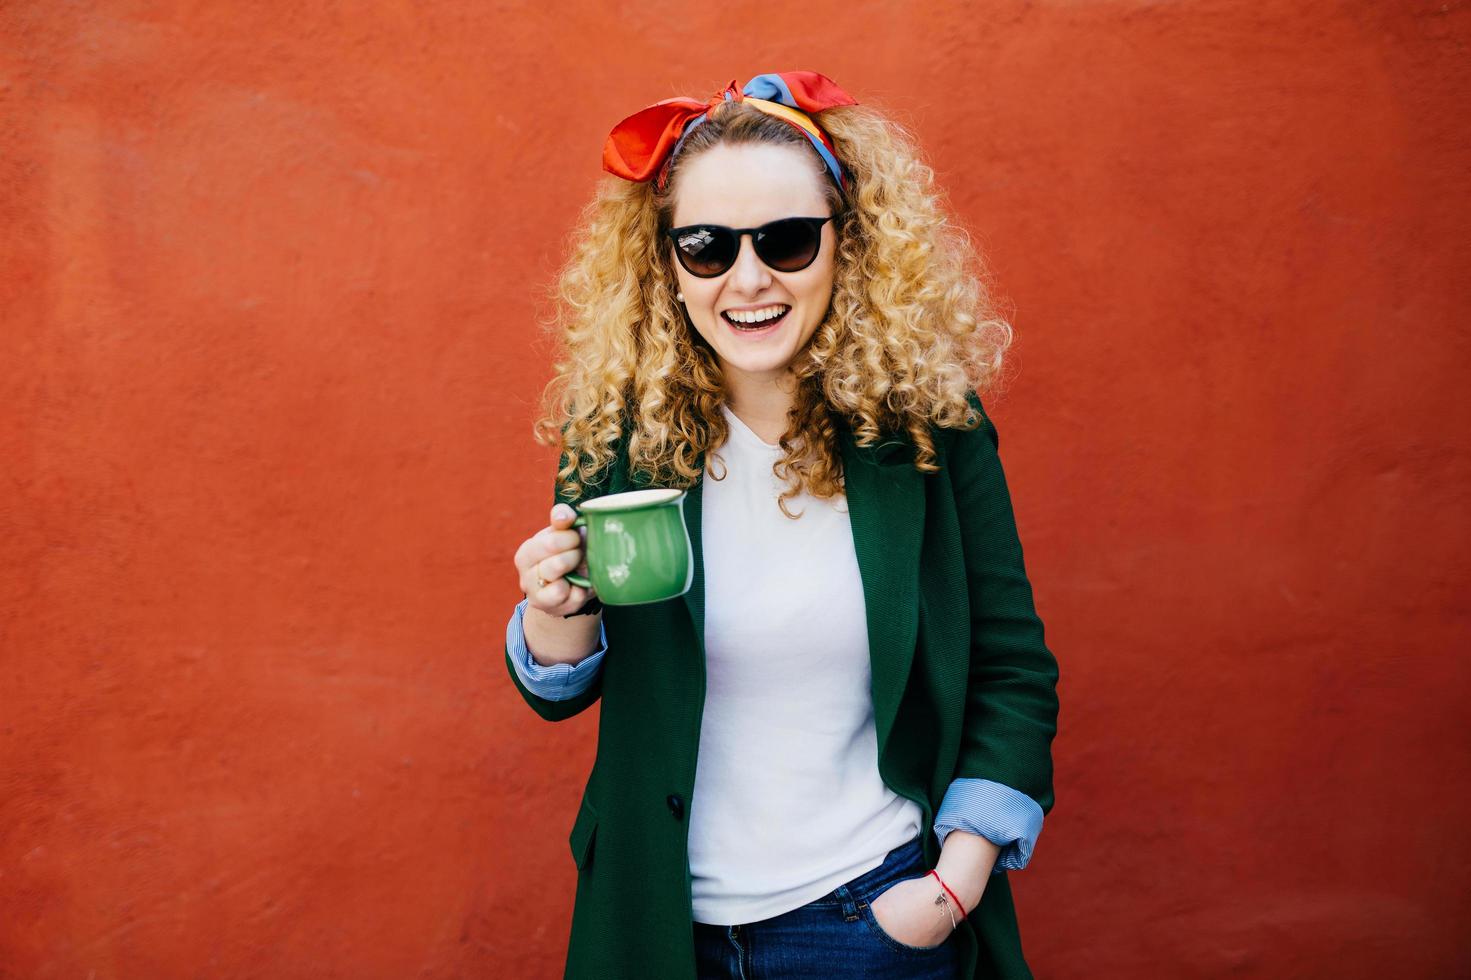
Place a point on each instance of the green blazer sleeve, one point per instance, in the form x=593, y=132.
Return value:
x=556, y=710
x=1011, y=694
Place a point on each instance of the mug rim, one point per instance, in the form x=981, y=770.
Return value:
x=646, y=498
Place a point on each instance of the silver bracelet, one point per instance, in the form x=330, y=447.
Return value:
x=943, y=899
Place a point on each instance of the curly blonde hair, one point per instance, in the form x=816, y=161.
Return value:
x=911, y=328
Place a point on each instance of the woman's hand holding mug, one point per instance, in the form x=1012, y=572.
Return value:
x=545, y=558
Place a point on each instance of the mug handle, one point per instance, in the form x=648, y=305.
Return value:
x=578, y=580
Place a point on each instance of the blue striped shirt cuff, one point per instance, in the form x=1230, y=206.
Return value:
x=1005, y=817
x=559, y=681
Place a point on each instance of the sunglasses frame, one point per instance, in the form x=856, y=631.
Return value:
x=741, y=233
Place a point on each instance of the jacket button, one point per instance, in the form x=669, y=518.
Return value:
x=676, y=806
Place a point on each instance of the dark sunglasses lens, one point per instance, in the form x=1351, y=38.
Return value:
x=789, y=245
x=706, y=251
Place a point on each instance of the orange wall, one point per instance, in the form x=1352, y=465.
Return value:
x=267, y=369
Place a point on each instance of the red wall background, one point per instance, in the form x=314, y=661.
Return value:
x=269, y=279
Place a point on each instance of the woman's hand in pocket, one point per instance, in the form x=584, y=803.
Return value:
x=908, y=913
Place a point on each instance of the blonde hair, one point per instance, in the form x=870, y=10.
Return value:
x=910, y=330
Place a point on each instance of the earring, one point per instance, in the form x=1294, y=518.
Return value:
x=679, y=296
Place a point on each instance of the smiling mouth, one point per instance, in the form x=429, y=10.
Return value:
x=757, y=320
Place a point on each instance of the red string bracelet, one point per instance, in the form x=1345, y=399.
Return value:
x=963, y=912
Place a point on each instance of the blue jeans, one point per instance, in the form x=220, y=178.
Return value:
x=835, y=936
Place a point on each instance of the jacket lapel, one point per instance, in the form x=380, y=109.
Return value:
x=694, y=597
x=886, y=507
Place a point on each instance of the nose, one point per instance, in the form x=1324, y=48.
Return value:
x=749, y=275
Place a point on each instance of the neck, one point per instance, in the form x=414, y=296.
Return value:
x=762, y=403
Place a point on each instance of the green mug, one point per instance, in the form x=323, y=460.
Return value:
x=638, y=548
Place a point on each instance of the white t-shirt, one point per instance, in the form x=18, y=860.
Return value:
x=788, y=803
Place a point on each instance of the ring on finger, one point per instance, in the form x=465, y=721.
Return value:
x=541, y=583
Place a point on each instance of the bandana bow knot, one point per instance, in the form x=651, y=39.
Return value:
x=640, y=147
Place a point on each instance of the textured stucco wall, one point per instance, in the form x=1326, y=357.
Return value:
x=268, y=293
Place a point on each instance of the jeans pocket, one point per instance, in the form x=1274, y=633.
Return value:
x=872, y=922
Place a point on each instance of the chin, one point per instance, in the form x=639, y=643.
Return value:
x=766, y=360
x=769, y=354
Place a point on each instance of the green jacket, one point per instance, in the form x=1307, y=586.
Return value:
x=963, y=686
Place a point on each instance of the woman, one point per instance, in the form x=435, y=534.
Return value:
x=823, y=759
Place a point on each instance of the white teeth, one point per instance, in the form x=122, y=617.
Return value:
x=757, y=316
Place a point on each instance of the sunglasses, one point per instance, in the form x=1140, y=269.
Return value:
x=786, y=245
